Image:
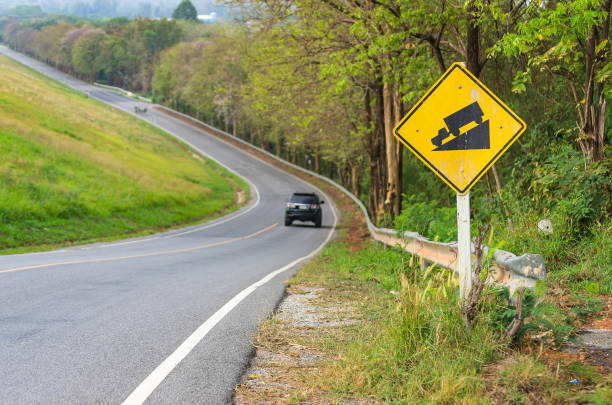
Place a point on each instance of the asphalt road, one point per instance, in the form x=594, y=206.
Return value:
x=166, y=318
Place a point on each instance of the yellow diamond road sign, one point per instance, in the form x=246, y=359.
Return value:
x=459, y=128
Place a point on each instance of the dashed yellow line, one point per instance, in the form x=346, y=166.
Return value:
x=168, y=252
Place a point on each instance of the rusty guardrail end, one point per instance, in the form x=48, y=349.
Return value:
x=502, y=276
x=524, y=271
x=527, y=265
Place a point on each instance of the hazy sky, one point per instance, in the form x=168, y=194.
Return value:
x=113, y=8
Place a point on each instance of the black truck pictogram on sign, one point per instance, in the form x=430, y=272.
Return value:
x=476, y=138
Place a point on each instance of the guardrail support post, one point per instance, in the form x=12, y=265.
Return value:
x=464, y=263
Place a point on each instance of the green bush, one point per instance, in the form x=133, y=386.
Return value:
x=556, y=181
x=426, y=218
x=577, y=194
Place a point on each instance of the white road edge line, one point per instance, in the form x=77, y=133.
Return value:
x=149, y=384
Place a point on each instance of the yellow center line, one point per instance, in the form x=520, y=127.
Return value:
x=168, y=252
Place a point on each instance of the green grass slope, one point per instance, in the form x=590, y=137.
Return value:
x=75, y=170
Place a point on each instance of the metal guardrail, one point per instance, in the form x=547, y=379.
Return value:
x=507, y=269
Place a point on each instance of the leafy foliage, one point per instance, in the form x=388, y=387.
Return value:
x=427, y=219
x=118, y=52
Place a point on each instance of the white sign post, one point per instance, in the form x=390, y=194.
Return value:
x=464, y=262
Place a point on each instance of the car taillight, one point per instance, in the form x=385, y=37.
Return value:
x=290, y=205
x=314, y=206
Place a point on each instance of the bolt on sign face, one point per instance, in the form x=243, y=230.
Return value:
x=459, y=128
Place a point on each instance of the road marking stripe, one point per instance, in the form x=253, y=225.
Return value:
x=168, y=252
x=149, y=384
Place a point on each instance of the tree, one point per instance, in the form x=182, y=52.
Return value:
x=67, y=46
x=49, y=43
x=90, y=54
x=176, y=68
x=185, y=11
x=571, y=39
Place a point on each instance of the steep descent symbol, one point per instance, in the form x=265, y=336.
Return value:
x=477, y=130
x=476, y=138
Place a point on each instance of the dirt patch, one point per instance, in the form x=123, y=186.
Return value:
x=282, y=358
x=604, y=320
x=308, y=310
x=240, y=197
x=544, y=373
x=592, y=354
x=594, y=340
x=357, y=233
x=604, y=323
x=499, y=391
x=551, y=377
x=185, y=148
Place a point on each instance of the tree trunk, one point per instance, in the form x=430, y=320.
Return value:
x=498, y=186
x=356, y=180
x=341, y=177
x=398, y=112
x=376, y=149
x=489, y=187
x=474, y=66
x=380, y=135
x=472, y=57
x=593, y=117
x=391, y=196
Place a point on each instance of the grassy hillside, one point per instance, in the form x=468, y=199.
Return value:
x=74, y=170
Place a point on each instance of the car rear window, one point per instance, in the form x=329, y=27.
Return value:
x=304, y=199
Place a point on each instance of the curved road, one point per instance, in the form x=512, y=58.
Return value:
x=165, y=319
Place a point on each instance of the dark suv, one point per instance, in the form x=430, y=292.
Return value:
x=303, y=207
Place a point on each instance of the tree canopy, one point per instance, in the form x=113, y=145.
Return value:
x=185, y=11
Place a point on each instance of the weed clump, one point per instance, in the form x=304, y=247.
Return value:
x=418, y=347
